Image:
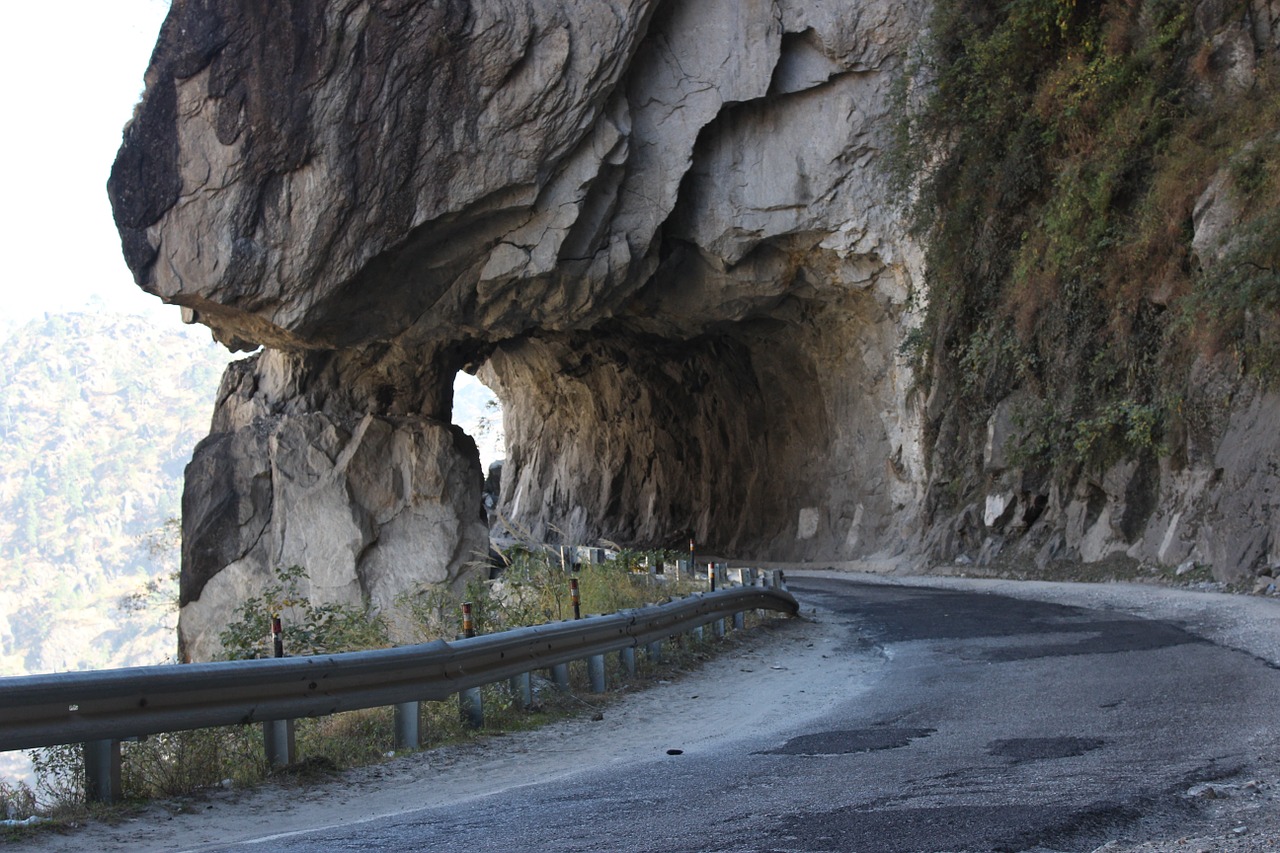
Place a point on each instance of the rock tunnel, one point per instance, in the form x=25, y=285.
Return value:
x=659, y=231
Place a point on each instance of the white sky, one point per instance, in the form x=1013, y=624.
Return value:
x=70, y=74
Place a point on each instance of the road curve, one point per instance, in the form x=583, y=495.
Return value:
x=895, y=719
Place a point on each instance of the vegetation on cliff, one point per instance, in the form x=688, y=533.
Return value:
x=1065, y=147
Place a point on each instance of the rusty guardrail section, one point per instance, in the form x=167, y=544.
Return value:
x=116, y=704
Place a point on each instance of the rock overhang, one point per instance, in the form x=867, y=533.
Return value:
x=660, y=226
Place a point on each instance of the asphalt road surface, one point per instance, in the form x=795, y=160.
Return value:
x=991, y=724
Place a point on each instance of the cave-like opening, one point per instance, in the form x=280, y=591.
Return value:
x=775, y=436
x=478, y=410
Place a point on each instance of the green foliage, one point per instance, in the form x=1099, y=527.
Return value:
x=17, y=800
x=59, y=772
x=174, y=763
x=1051, y=153
x=534, y=589
x=308, y=628
x=1237, y=298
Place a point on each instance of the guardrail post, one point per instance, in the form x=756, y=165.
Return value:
x=717, y=629
x=757, y=580
x=595, y=673
x=279, y=742
x=406, y=725
x=522, y=690
x=627, y=657
x=471, y=706
x=739, y=620
x=697, y=634
x=560, y=675
x=654, y=651
x=102, y=771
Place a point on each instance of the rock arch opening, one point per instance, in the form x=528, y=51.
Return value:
x=781, y=433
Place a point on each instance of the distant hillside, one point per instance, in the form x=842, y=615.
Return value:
x=98, y=416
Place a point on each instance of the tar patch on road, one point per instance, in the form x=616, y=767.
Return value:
x=1103, y=637
x=1043, y=748
x=1012, y=827
x=905, y=614
x=849, y=741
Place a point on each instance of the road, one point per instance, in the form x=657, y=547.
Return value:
x=939, y=720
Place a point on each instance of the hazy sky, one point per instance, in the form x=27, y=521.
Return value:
x=72, y=72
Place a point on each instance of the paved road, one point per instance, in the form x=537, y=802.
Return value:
x=994, y=724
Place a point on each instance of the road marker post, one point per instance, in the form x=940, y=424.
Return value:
x=470, y=701
x=278, y=739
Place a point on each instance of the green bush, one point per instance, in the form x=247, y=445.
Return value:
x=174, y=763
x=307, y=628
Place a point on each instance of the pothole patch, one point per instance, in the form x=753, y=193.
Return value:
x=849, y=741
x=1043, y=748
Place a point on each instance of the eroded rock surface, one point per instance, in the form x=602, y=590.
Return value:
x=661, y=230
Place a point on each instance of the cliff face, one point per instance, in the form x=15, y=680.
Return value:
x=661, y=231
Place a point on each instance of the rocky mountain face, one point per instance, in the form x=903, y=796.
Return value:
x=662, y=232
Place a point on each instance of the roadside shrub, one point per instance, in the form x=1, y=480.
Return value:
x=308, y=628
x=174, y=763
x=59, y=773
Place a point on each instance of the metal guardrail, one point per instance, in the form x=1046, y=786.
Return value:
x=117, y=704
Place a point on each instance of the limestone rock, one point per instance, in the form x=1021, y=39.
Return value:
x=1216, y=212
x=1002, y=433
x=369, y=508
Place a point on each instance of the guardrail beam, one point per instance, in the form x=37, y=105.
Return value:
x=116, y=704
